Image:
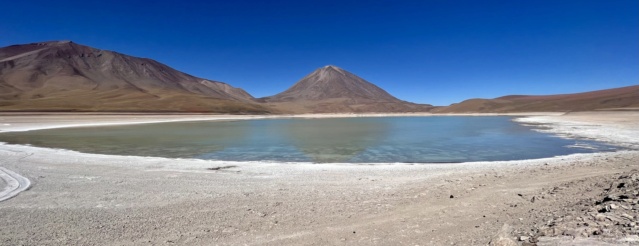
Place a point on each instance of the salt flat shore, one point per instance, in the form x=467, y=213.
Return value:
x=90, y=199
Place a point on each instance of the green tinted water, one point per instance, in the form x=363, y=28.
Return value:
x=358, y=140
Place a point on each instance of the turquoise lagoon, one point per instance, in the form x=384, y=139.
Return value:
x=439, y=139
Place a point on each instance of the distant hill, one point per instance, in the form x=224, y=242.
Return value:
x=331, y=89
x=65, y=76
x=617, y=98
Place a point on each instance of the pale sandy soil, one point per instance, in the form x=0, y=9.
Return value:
x=90, y=199
x=3, y=184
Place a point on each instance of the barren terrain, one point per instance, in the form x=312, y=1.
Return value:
x=79, y=198
x=331, y=89
x=62, y=76
x=623, y=98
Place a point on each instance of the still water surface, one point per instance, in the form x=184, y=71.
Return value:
x=356, y=140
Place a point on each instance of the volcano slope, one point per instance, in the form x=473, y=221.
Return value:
x=331, y=89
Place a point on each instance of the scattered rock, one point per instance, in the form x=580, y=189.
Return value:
x=609, y=216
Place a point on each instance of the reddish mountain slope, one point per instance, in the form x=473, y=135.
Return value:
x=617, y=98
x=64, y=76
x=331, y=89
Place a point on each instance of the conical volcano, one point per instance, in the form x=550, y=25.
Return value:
x=331, y=89
x=332, y=82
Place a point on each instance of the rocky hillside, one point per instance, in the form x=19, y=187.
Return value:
x=65, y=76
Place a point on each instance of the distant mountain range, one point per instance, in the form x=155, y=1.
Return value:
x=65, y=76
x=611, y=99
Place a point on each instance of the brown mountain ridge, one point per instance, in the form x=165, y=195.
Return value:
x=610, y=99
x=65, y=76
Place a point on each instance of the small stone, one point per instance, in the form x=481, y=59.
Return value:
x=613, y=206
x=451, y=196
x=524, y=238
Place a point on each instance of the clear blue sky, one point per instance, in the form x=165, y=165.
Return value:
x=436, y=52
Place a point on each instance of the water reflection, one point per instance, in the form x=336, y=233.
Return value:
x=335, y=140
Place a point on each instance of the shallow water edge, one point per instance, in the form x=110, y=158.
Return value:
x=555, y=121
x=392, y=139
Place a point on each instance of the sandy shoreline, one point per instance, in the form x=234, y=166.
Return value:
x=79, y=198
